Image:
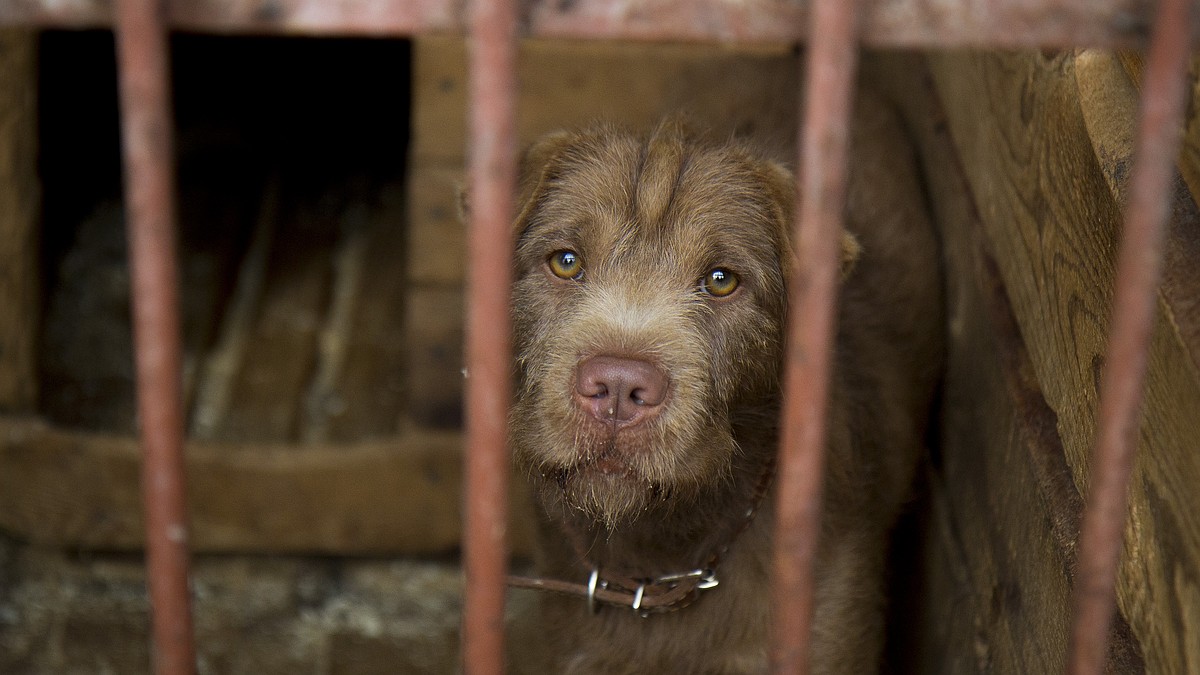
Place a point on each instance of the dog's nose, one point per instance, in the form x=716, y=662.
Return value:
x=612, y=387
x=619, y=388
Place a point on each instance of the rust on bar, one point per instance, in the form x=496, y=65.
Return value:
x=147, y=140
x=1139, y=267
x=824, y=155
x=492, y=176
x=898, y=23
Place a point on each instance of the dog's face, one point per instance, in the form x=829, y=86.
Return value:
x=648, y=309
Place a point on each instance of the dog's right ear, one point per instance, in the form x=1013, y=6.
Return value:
x=783, y=183
x=533, y=170
x=536, y=168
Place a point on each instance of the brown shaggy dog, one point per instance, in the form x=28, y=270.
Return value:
x=649, y=315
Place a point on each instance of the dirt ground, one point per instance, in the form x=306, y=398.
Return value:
x=63, y=614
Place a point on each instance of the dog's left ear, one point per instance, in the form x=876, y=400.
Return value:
x=783, y=182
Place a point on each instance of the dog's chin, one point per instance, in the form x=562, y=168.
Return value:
x=606, y=490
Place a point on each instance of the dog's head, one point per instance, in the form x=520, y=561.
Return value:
x=648, y=312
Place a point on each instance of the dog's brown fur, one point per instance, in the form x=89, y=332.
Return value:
x=648, y=218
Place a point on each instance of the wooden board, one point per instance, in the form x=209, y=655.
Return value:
x=1051, y=220
x=1001, y=516
x=20, y=193
x=280, y=348
x=434, y=358
x=365, y=390
x=437, y=234
x=574, y=83
x=1109, y=86
x=385, y=497
x=310, y=346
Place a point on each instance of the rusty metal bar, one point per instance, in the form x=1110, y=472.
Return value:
x=148, y=145
x=1139, y=268
x=824, y=154
x=897, y=23
x=492, y=176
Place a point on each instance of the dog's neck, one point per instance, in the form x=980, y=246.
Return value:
x=675, y=537
x=654, y=564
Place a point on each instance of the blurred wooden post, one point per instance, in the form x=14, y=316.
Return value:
x=19, y=205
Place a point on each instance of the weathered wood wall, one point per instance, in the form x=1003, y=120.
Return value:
x=81, y=490
x=1026, y=156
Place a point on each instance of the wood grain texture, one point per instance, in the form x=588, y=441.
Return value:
x=20, y=194
x=80, y=490
x=1050, y=217
x=565, y=84
x=436, y=232
x=1002, y=513
x=434, y=358
x=1109, y=86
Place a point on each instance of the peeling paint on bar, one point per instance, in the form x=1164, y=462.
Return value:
x=147, y=131
x=823, y=160
x=492, y=175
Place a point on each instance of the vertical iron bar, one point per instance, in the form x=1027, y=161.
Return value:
x=148, y=145
x=1139, y=267
x=829, y=87
x=493, y=62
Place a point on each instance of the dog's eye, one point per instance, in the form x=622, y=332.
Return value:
x=566, y=265
x=719, y=282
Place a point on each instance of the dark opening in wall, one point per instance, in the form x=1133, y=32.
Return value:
x=291, y=162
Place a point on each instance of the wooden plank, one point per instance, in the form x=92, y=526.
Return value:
x=365, y=399
x=434, y=360
x=437, y=234
x=277, y=337
x=1002, y=516
x=20, y=192
x=209, y=398
x=383, y=497
x=566, y=84
x=1052, y=222
x=1109, y=85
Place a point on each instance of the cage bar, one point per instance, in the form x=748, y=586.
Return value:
x=1139, y=268
x=823, y=160
x=492, y=176
x=147, y=130
x=898, y=23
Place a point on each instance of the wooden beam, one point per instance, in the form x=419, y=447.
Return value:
x=1109, y=85
x=1052, y=221
x=898, y=23
x=1003, y=511
x=80, y=490
x=20, y=195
